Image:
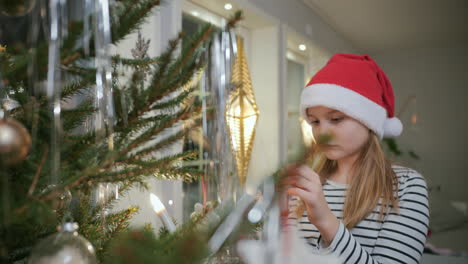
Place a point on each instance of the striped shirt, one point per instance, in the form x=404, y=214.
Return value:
x=398, y=238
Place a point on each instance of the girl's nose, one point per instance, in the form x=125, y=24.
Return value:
x=323, y=128
x=324, y=133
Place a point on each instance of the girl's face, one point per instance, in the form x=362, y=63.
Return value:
x=348, y=134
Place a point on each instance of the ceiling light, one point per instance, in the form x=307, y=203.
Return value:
x=195, y=13
x=302, y=47
x=228, y=6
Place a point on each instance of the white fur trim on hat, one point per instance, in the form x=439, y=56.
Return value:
x=350, y=103
x=392, y=127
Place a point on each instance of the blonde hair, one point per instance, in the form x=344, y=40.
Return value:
x=373, y=180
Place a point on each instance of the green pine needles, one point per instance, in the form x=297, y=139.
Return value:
x=150, y=108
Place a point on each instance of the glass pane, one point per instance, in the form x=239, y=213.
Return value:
x=192, y=191
x=295, y=84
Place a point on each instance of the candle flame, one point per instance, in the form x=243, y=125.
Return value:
x=158, y=206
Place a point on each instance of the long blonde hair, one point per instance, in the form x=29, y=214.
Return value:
x=373, y=179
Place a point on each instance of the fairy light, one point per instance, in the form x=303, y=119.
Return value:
x=160, y=210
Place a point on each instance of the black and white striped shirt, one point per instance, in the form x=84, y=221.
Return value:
x=398, y=238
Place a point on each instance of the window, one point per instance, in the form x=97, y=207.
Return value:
x=296, y=79
x=193, y=19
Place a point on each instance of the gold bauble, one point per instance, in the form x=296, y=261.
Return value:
x=15, y=142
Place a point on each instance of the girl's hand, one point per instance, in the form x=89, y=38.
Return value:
x=305, y=183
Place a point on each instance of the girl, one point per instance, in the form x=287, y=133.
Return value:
x=357, y=205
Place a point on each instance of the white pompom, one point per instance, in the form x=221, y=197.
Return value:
x=392, y=127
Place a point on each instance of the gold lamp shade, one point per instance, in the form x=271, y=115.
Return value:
x=241, y=113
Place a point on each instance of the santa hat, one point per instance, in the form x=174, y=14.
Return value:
x=358, y=87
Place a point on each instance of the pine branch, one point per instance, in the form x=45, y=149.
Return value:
x=163, y=62
x=185, y=66
x=75, y=31
x=160, y=145
x=175, y=101
x=190, y=48
x=76, y=117
x=38, y=172
x=142, y=246
x=79, y=87
x=137, y=97
x=238, y=16
x=134, y=62
x=156, y=130
x=121, y=220
x=185, y=174
x=166, y=161
x=86, y=161
x=126, y=133
x=159, y=166
x=157, y=92
x=131, y=17
x=77, y=145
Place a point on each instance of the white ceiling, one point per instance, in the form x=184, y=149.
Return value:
x=375, y=26
x=250, y=19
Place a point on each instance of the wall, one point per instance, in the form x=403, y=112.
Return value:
x=300, y=18
x=266, y=79
x=439, y=79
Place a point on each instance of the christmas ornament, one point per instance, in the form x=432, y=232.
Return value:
x=64, y=247
x=53, y=85
x=8, y=104
x=104, y=192
x=215, y=88
x=206, y=217
x=242, y=113
x=15, y=142
x=105, y=115
x=200, y=211
x=17, y=7
x=62, y=200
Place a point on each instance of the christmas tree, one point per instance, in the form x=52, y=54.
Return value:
x=53, y=161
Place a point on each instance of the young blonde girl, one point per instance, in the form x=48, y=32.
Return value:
x=358, y=206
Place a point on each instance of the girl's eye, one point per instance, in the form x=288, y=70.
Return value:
x=314, y=122
x=337, y=119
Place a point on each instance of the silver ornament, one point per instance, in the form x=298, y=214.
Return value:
x=62, y=200
x=15, y=142
x=64, y=247
x=8, y=104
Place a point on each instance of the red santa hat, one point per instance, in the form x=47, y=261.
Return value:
x=358, y=87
